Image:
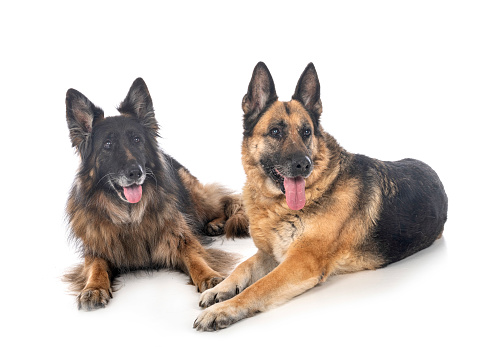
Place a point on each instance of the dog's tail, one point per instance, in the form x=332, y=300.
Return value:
x=76, y=278
x=221, y=261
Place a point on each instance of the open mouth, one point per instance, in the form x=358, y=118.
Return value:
x=132, y=193
x=293, y=187
x=278, y=178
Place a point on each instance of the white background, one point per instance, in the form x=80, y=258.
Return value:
x=398, y=79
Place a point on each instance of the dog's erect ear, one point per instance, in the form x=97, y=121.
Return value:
x=138, y=104
x=81, y=116
x=308, y=90
x=261, y=91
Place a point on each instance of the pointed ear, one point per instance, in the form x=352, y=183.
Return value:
x=308, y=90
x=81, y=116
x=261, y=91
x=138, y=104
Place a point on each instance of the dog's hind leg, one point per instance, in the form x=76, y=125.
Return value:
x=232, y=220
x=220, y=209
x=237, y=223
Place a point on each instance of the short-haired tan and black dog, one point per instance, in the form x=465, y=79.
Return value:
x=314, y=209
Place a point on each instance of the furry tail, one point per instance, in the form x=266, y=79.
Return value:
x=76, y=278
x=221, y=261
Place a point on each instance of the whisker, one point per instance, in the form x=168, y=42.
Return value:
x=150, y=173
x=108, y=174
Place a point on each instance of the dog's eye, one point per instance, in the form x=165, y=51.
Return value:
x=136, y=139
x=275, y=132
x=306, y=132
x=107, y=144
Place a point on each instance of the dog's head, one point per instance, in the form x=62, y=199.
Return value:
x=280, y=138
x=115, y=151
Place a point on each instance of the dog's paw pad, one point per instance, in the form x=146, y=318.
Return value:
x=92, y=298
x=219, y=317
x=215, y=228
x=209, y=283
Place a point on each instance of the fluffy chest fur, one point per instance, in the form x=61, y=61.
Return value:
x=336, y=215
x=273, y=232
x=128, y=237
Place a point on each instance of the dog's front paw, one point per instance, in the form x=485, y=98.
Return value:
x=209, y=283
x=215, y=295
x=93, y=298
x=219, y=317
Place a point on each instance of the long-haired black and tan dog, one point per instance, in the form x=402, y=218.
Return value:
x=132, y=207
x=314, y=209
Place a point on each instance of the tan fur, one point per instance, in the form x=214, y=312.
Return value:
x=357, y=213
x=132, y=207
x=126, y=241
x=297, y=249
x=141, y=238
x=217, y=204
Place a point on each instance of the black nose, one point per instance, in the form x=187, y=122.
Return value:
x=301, y=166
x=134, y=172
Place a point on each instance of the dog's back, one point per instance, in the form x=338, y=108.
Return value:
x=413, y=207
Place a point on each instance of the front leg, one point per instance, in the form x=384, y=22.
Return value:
x=243, y=276
x=194, y=259
x=97, y=291
x=298, y=273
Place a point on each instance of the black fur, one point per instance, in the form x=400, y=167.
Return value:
x=308, y=94
x=133, y=207
x=341, y=212
x=413, y=206
x=81, y=115
x=414, y=217
x=260, y=96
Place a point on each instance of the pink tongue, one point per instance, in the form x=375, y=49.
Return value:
x=133, y=193
x=294, y=192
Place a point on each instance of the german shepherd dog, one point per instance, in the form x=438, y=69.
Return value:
x=133, y=207
x=314, y=209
